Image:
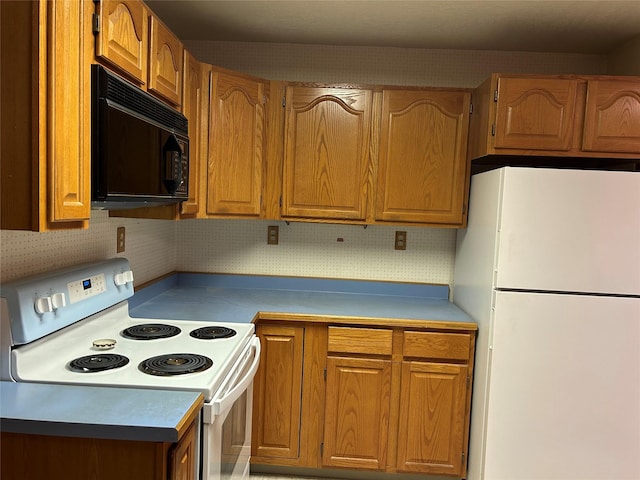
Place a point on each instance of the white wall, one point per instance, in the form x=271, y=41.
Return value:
x=625, y=60
x=155, y=247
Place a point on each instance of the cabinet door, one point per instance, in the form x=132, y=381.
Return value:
x=183, y=457
x=422, y=159
x=66, y=153
x=236, y=148
x=326, y=155
x=612, y=117
x=165, y=63
x=357, y=413
x=123, y=37
x=192, y=106
x=535, y=113
x=277, y=393
x=432, y=418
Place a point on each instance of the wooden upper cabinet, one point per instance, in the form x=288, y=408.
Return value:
x=422, y=167
x=123, y=37
x=46, y=115
x=165, y=62
x=535, y=113
x=236, y=144
x=327, y=164
x=578, y=116
x=195, y=96
x=612, y=116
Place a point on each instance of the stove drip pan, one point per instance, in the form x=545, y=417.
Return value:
x=98, y=363
x=150, y=331
x=213, y=332
x=175, y=364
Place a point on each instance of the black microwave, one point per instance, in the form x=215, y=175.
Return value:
x=140, y=146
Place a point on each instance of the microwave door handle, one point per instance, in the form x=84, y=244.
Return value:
x=171, y=153
x=224, y=403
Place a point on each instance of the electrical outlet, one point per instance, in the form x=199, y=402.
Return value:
x=120, y=240
x=272, y=235
x=401, y=240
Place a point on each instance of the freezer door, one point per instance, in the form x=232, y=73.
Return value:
x=569, y=230
x=564, y=389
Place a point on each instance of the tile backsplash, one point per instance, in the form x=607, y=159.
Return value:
x=156, y=247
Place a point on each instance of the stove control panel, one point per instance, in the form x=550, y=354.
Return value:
x=87, y=287
x=45, y=303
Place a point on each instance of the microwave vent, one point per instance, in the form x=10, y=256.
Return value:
x=136, y=100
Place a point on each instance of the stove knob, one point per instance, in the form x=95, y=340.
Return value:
x=58, y=300
x=43, y=305
x=123, y=278
x=128, y=276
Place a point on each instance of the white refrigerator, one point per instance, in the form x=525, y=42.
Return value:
x=549, y=267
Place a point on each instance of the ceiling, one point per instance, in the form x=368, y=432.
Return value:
x=586, y=26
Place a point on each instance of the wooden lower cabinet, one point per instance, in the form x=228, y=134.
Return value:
x=357, y=413
x=366, y=397
x=25, y=456
x=431, y=431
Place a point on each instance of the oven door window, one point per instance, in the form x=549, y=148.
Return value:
x=235, y=439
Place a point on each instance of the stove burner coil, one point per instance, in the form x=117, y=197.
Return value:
x=213, y=332
x=150, y=331
x=175, y=364
x=98, y=363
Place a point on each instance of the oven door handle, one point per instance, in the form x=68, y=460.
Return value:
x=221, y=404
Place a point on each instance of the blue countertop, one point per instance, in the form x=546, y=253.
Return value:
x=94, y=412
x=239, y=298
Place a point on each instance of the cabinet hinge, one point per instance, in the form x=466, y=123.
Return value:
x=280, y=201
x=284, y=101
x=468, y=381
x=264, y=99
x=493, y=130
x=463, y=458
x=95, y=23
x=321, y=449
x=325, y=374
x=495, y=95
x=471, y=109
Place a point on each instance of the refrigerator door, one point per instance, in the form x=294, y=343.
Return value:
x=568, y=230
x=564, y=389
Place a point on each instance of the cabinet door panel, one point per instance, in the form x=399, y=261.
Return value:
x=68, y=87
x=432, y=415
x=277, y=393
x=422, y=167
x=535, y=114
x=326, y=157
x=612, y=117
x=122, y=39
x=192, y=106
x=236, y=146
x=357, y=413
x=165, y=63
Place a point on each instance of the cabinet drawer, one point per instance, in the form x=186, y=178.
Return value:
x=446, y=346
x=376, y=341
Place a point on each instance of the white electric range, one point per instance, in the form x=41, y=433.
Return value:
x=73, y=326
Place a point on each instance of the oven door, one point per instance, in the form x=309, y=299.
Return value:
x=226, y=421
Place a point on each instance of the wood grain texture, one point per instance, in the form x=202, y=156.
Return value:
x=612, y=116
x=326, y=154
x=235, y=171
x=277, y=394
x=432, y=418
x=443, y=346
x=373, y=341
x=123, y=37
x=357, y=413
x=192, y=105
x=422, y=168
x=165, y=63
